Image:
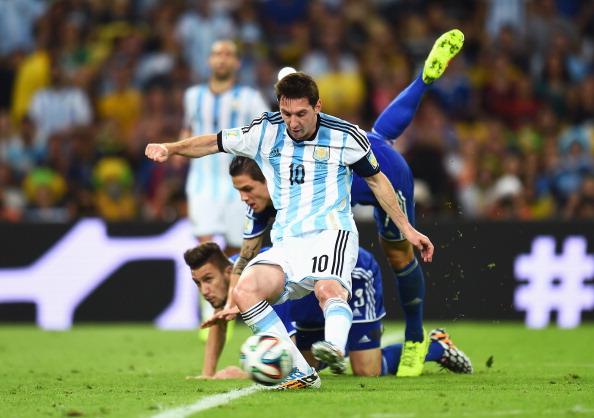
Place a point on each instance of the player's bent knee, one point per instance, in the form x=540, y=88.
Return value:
x=328, y=289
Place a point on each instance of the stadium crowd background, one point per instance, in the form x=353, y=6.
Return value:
x=506, y=133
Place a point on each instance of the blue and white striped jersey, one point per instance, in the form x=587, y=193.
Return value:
x=206, y=112
x=309, y=181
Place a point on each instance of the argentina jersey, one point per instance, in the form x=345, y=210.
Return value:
x=206, y=112
x=309, y=181
x=367, y=301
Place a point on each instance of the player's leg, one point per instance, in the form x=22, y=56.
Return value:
x=400, y=112
x=364, y=348
x=260, y=285
x=338, y=319
x=334, y=255
x=410, y=282
x=441, y=350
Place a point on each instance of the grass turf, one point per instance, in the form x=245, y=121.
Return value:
x=138, y=371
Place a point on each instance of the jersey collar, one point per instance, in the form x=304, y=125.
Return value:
x=312, y=137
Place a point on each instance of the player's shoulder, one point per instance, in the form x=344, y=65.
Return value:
x=351, y=129
x=273, y=118
x=194, y=89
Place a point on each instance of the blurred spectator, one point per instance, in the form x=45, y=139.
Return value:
x=59, y=107
x=581, y=203
x=123, y=104
x=197, y=29
x=32, y=73
x=45, y=190
x=114, y=196
x=19, y=151
x=12, y=196
x=575, y=162
x=17, y=21
x=336, y=72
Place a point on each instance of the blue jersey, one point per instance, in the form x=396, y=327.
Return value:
x=309, y=181
x=367, y=301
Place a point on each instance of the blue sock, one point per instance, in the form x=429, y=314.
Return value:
x=399, y=114
x=411, y=290
x=391, y=356
x=435, y=352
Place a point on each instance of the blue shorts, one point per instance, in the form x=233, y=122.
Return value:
x=362, y=336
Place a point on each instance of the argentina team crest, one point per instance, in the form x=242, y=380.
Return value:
x=321, y=153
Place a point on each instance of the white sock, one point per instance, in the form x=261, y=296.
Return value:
x=262, y=318
x=339, y=318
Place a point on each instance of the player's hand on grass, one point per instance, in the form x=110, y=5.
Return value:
x=198, y=377
x=157, y=152
x=223, y=316
x=231, y=372
x=423, y=244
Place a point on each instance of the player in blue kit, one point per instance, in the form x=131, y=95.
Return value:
x=211, y=271
x=399, y=251
x=367, y=293
x=308, y=159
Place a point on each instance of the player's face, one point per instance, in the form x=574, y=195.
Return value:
x=223, y=60
x=252, y=192
x=300, y=117
x=212, y=283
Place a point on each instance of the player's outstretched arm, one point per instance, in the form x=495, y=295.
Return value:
x=215, y=342
x=386, y=196
x=193, y=147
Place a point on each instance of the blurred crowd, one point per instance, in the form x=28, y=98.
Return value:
x=506, y=133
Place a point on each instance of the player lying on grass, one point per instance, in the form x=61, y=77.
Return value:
x=399, y=251
x=211, y=271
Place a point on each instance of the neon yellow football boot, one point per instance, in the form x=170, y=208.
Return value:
x=444, y=49
x=412, y=359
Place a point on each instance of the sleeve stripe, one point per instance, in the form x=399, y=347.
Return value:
x=273, y=118
x=361, y=139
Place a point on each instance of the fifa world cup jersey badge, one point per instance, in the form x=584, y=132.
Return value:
x=372, y=159
x=232, y=134
x=321, y=153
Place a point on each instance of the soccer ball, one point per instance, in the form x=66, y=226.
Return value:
x=266, y=358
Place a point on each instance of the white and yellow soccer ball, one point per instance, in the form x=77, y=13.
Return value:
x=266, y=358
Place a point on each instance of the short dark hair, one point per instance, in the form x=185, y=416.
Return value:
x=296, y=86
x=207, y=252
x=243, y=165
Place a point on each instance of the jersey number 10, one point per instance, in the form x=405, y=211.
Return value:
x=296, y=173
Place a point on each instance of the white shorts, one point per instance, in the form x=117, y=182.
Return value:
x=218, y=217
x=317, y=255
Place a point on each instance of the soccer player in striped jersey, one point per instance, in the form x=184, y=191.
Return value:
x=213, y=207
x=308, y=160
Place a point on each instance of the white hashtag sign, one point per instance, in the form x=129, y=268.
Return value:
x=555, y=282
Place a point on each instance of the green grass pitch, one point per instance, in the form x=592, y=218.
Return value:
x=134, y=370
